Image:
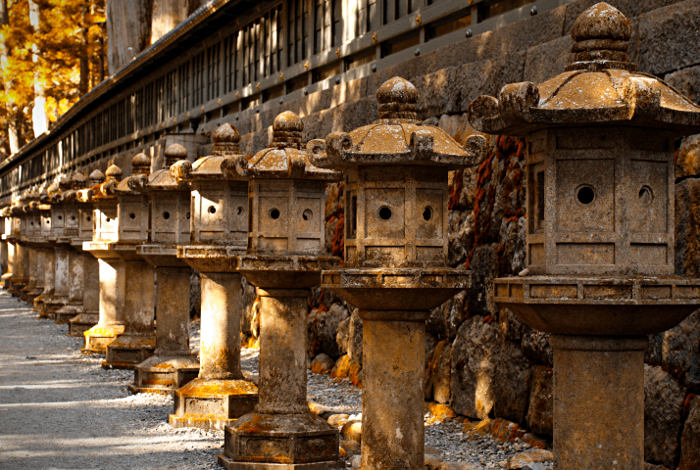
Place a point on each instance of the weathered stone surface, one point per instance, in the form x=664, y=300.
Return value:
x=322, y=364
x=688, y=227
x=540, y=417
x=461, y=225
x=437, y=380
x=474, y=356
x=446, y=319
x=342, y=336
x=686, y=81
x=451, y=90
x=678, y=351
x=663, y=407
x=664, y=35
x=690, y=439
x=518, y=461
x=355, y=338
x=484, y=268
x=323, y=328
x=195, y=295
x=512, y=327
x=536, y=347
x=630, y=8
x=546, y=60
x=250, y=318
x=511, y=384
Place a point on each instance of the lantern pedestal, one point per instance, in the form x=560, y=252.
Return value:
x=31, y=270
x=90, y=314
x=39, y=263
x=49, y=283
x=112, y=296
x=138, y=342
x=172, y=365
x=599, y=328
x=393, y=353
x=21, y=277
x=282, y=431
x=61, y=282
x=75, y=288
x=219, y=395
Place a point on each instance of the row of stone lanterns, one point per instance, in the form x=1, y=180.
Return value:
x=600, y=251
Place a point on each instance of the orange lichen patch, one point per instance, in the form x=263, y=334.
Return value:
x=318, y=367
x=354, y=374
x=477, y=429
x=439, y=412
x=341, y=369
x=133, y=342
x=342, y=452
x=253, y=425
x=216, y=388
x=159, y=382
x=108, y=331
x=455, y=187
x=251, y=343
x=338, y=240
x=163, y=365
x=503, y=430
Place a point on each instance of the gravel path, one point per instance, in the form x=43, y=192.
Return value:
x=60, y=410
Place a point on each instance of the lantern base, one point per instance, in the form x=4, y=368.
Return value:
x=283, y=272
x=605, y=306
x=81, y=323
x=164, y=374
x=260, y=441
x=99, y=337
x=39, y=306
x=160, y=255
x=128, y=350
x=68, y=312
x=54, y=304
x=210, y=258
x=396, y=289
x=212, y=403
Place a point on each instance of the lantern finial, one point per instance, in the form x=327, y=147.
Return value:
x=174, y=153
x=397, y=99
x=602, y=35
x=287, y=130
x=226, y=139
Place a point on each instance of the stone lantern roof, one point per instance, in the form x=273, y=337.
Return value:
x=106, y=189
x=599, y=87
x=136, y=181
x=77, y=182
x=164, y=179
x=226, y=145
x=285, y=157
x=396, y=138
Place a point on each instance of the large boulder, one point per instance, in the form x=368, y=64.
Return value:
x=690, y=439
x=474, y=356
x=323, y=328
x=438, y=369
x=355, y=337
x=540, y=411
x=663, y=412
x=511, y=384
x=678, y=351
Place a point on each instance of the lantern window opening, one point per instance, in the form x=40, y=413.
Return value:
x=585, y=194
x=274, y=213
x=384, y=213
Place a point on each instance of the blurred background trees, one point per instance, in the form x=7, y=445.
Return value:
x=52, y=52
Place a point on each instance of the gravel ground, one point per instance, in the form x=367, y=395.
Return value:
x=60, y=410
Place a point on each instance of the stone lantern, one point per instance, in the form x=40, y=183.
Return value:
x=600, y=237
x=112, y=295
x=49, y=253
x=82, y=267
x=43, y=249
x=172, y=365
x=396, y=186
x=61, y=235
x=218, y=231
x=27, y=251
x=284, y=259
x=35, y=245
x=138, y=342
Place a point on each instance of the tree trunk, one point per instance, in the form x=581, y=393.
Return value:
x=84, y=83
x=167, y=14
x=128, y=30
x=40, y=120
x=12, y=137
